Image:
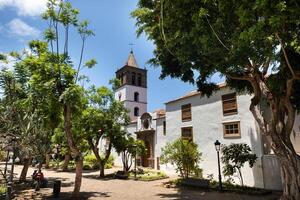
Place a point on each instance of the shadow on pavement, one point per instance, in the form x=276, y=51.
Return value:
x=83, y=195
x=201, y=194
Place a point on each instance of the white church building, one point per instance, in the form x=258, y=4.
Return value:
x=224, y=116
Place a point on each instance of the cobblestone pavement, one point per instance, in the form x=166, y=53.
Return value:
x=114, y=189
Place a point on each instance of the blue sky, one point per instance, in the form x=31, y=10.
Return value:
x=114, y=28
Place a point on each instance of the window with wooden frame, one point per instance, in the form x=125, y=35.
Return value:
x=164, y=128
x=229, y=104
x=231, y=129
x=187, y=133
x=186, y=112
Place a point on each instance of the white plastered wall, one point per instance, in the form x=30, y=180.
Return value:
x=207, y=122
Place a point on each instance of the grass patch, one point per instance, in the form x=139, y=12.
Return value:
x=148, y=175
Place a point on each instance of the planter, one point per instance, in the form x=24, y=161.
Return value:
x=195, y=182
x=121, y=175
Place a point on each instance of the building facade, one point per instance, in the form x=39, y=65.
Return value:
x=224, y=116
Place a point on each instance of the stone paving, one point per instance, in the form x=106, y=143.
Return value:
x=113, y=189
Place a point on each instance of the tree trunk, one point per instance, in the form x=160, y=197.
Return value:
x=78, y=178
x=74, y=150
x=290, y=174
x=102, y=167
x=279, y=126
x=66, y=162
x=48, y=157
x=241, y=176
x=26, y=163
x=290, y=170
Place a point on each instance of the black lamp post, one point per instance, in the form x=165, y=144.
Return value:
x=9, y=189
x=135, y=149
x=218, y=147
x=6, y=162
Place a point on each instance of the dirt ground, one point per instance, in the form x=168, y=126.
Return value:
x=114, y=189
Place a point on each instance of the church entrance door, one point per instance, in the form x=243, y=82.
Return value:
x=147, y=137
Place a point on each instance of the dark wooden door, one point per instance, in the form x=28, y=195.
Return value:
x=147, y=156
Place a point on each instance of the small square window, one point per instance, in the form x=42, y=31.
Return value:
x=231, y=129
x=187, y=133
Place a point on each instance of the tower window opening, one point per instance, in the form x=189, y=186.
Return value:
x=136, y=111
x=133, y=78
x=139, y=80
x=136, y=96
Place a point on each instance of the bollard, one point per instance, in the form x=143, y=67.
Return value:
x=56, y=188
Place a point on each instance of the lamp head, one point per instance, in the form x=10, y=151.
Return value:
x=217, y=145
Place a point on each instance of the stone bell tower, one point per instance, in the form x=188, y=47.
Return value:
x=133, y=89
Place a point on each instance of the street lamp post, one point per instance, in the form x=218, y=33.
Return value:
x=6, y=162
x=135, y=149
x=218, y=146
x=9, y=189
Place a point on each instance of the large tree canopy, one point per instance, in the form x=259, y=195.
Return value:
x=232, y=37
x=254, y=44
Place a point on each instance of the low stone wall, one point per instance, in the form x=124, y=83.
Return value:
x=271, y=172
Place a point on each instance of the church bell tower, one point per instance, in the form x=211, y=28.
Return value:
x=133, y=89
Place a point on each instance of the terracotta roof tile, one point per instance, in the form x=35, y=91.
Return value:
x=194, y=93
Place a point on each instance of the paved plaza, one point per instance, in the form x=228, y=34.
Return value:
x=114, y=189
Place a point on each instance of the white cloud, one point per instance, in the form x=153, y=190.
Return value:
x=25, y=7
x=17, y=27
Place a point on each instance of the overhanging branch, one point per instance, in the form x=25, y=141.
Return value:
x=286, y=57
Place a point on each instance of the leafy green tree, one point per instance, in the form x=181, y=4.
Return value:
x=22, y=115
x=254, y=45
x=53, y=73
x=103, y=120
x=234, y=156
x=184, y=155
x=129, y=147
x=53, y=77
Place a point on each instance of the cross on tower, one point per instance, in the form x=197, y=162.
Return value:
x=131, y=44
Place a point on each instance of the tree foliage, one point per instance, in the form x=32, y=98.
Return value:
x=184, y=155
x=254, y=45
x=234, y=157
x=103, y=121
x=129, y=147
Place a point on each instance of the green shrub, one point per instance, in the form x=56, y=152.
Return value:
x=2, y=155
x=110, y=162
x=87, y=167
x=2, y=188
x=91, y=160
x=184, y=155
